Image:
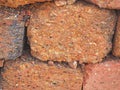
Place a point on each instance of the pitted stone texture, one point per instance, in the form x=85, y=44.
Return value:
x=11, y=33
x=110, y=4
x=116, y=42
x=78, y=32
x=27, y=73
x=16, y=3
x=102, y=76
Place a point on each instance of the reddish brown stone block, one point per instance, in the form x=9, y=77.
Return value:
x=11, y=32
x=102, y=76
x=27, y=73
x=111, y=4
x=79, y=32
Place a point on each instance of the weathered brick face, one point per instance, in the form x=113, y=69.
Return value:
x=102, y=76
x=27, y=73
x=79, y=32
x=111, y=4
x=11, y=33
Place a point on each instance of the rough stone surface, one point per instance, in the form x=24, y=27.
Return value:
x=11, y=33
x=111, y=4
x=102, y=76
x=116, y=42
x=79, y=32
x=16, y=3
x=27, y=73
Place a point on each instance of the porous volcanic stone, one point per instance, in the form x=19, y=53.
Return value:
x=27, y=73
x=110, y=4
x=11, y=32
x=78, y=32
x=103, y=76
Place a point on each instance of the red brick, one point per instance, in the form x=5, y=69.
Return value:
x=27, y=73
x=111, y=4
x=11, y=32
x=103, y=76
x=78, y=32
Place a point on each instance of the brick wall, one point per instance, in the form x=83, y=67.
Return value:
x=59, y=45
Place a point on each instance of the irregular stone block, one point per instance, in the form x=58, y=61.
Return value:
x=11, y=33
x=78, y=32
x=27, y=73
x=102, y=76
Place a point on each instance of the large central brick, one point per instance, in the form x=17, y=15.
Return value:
x=79, y=32
x=11, y=32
